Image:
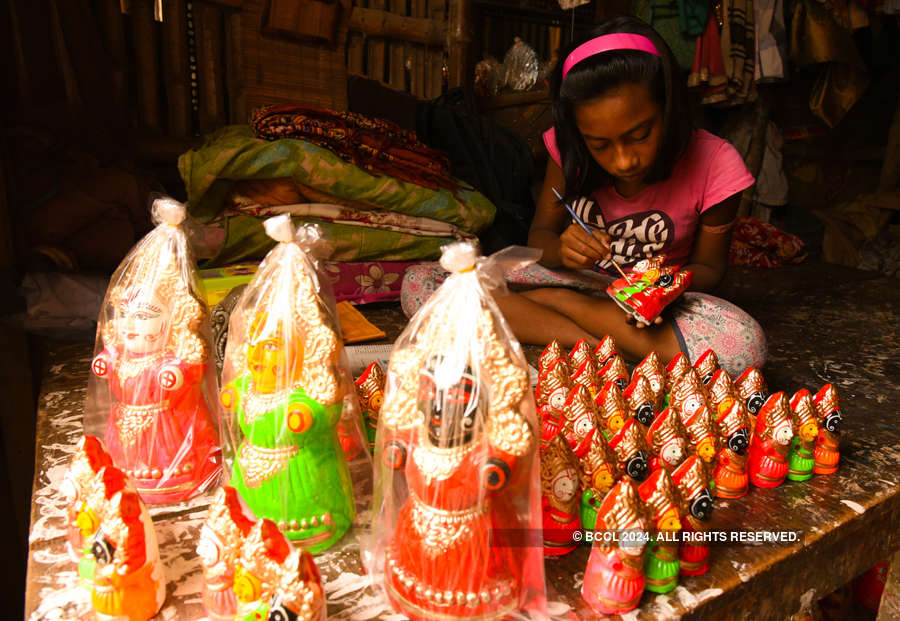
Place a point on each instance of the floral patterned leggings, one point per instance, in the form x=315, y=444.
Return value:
x=700, y=321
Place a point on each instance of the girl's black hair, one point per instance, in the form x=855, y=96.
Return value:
x=598, y=74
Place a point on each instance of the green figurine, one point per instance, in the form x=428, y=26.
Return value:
x=800, y=457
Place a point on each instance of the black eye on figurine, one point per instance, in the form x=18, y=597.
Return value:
x=450, y=413
x=644, y=414
x=622, y=383
x=702, y=505
x=706, y=378
x=665, y=280
x=637, y=466
x=739, y=441
x=755, y=402
x=278, y=611
x=103, y=549
x=834, y=420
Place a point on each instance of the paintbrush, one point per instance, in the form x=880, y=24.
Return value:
x=588, y=230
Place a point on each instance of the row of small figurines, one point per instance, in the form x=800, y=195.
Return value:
x=646, y=453
x=250, y=570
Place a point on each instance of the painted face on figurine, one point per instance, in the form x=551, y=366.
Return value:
x=755, y=402
x=103, y=549
x=783, y=433
x=702, y=506
x=706, y=449
x=672, y=453
x=272, y=367
x=141, y=324
x=603, y=479
x=690, y=406
x=637, y=466
x=557, y=398
x=834, y=420
x=665, y=280
x=209, y=548
x=644, y=414
x=565, y=484
x=247, y=587
x=739, y=440
x=669, y=520
x=451, y=413
x=809, y=431
x=87, y=522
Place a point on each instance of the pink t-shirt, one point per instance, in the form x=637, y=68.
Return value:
x=663, y=218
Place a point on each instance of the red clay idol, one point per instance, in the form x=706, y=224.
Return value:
x=559, y=497
x=639, y=400
x=767, y=464
x=649, y=289
x=693, y=486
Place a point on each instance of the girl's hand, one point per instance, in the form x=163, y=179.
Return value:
x=579, y=250
x=629, y=319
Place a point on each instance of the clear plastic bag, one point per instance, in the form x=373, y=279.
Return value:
x=152, y=389
x=520, y=66
x=457, y=520
x=288, y=396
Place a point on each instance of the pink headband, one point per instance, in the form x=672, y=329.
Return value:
x=608, y=43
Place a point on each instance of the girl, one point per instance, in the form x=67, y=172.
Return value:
x=625, y=155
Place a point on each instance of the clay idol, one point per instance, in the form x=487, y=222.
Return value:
x=599, y=471
x=457, y=509
x=707, y=364
x=151, y=395
x=552, y=352
x=649, y=288
x=662, y=500
x=580, y=420
x=552, y=390
x=767, y=464
x=615, y=371
x=803, y=412
x=640, y=400
x=611, y=409
x=370, y=390
x=827, y=453
x=669, y=441
x=651, y=367
x=605, y=350
x=284, y=391
x=559, y=497
x=751, y=386
x=693, y=487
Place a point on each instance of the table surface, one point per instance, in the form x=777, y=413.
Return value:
x=824, y=324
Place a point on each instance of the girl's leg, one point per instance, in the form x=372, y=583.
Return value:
x=706, y=322
x=601, y=316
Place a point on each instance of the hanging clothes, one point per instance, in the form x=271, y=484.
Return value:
x=708, y=73
x=738, y=51
x=771, y=41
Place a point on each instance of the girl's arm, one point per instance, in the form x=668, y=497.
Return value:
x=563, y=242
x=709, y=259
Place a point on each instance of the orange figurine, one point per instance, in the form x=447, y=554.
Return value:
x=693, y=486
x=611, y=408
x=827, y=454
x=639, y=400
x=706, y=365
x=651, y=367
x=632, y=452
x=615, y=371
x=605, y=350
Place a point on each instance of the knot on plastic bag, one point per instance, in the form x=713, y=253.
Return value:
x=169, y=210
x=280, y=228
x=459, y=257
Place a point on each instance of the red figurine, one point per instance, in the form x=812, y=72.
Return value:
x=688, y=396
x=639, y=400
x=649, y=288
x=719, y=388
x=701, y=428
x=559, y=497
x=370, y=391
x=552, y=391
x=581, y=352
x=89, y=459
x=751, y=387
x=693, y=486
x=707, y=364
x=827, y=453
x=767, y=464
x=651, y=367
x=605, y=350
x=632, y=452
x=676, y=370
x=586, y=375
x=614, y=577
x=668, y=440
x=551, y=352
x=615, y=371
x=611, y=409
x=730, y=473
x=580, y=420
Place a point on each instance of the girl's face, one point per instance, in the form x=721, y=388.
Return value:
x=622, y=131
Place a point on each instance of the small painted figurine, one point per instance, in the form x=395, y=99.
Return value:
x=370, y=390
x=160, y=430
x=661, y=565
x=559, y=497
x=581, y=352
x=720, y=387
x=298, y=595
x=219, y=549
x=706, y=365
x=614, y=576
x=767, y=464
x=599, y=471
x=259, y=570
x=631, y=450
x=730, y=472
x=800, y=458
x=611, y=409
x=615, y=371
x=640, y=400
x=827, y=452
x=649, y=288
x=286, y=401
x=605, y=350
x=586, y=375
x=688, y=396
x=693, y=486
x=551, y=352
x=552, y=390
x=129, y=582
x=580, y=420
x=89, y=459
x=751, y=387
x=668, y=440
x=651, y=367
x=675, y=371
x=701, y=428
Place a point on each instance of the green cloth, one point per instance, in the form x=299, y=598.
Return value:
x=233, y=153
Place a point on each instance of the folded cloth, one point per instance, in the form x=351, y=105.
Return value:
x=354, y=326
x=373, y=144
x=760, y=244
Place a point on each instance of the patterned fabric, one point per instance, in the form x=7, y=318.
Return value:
x=366, y=282
x=761, y=244
x=700, y=321
x=378, y=146
x=738, y=51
